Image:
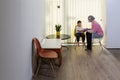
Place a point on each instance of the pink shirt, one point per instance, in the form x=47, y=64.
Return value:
x=97, y=28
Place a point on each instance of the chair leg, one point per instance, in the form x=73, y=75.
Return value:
x=53, y=62
x=37, y=70
x=75, y=43
x=100, y=43
x=52, y=68
x=101, y=47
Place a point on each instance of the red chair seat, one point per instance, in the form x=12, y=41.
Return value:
x=48, y=54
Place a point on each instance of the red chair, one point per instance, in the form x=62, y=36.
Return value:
x=45, y=54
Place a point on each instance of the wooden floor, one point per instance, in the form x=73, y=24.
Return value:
x=79, y=64
x=116, y=53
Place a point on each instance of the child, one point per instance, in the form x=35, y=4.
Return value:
x=80, y=32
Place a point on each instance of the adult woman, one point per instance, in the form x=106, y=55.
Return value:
x=95, y=32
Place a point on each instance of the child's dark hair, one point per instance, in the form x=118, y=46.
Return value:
x=79, y=22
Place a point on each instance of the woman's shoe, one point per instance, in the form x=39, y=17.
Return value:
x=88, y=49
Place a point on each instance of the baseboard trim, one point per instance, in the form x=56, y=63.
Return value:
x=113, y=48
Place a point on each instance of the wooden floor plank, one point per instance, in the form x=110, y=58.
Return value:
x=79, y=64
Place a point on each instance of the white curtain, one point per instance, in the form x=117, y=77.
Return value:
x=70, y=12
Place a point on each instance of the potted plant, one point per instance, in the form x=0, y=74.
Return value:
x=58, y=29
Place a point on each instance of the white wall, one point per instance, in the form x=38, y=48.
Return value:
x=113, y=24
x=20, y=21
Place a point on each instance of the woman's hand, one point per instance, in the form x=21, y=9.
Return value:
x=90, y=31
x=87, y=29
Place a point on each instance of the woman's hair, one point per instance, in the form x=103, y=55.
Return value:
x=91, y=18
x=79, y=21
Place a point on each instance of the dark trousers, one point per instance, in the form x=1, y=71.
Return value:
x=89, y=40
x=78, y=35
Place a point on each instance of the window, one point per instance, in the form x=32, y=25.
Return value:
x=68, y=12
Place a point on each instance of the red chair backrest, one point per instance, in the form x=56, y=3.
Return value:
x=36, y=41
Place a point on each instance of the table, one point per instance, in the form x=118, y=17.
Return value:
x=51, y=43
x=62, y=36
x=55, y=45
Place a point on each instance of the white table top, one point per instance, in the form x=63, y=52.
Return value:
x=51, y=44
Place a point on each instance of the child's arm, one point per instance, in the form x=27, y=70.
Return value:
x=83, y=30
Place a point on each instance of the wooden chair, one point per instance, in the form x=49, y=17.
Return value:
x=98, y=40
x=75, y=35
x=44, y=54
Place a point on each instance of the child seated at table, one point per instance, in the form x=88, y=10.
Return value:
x=80, y=33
